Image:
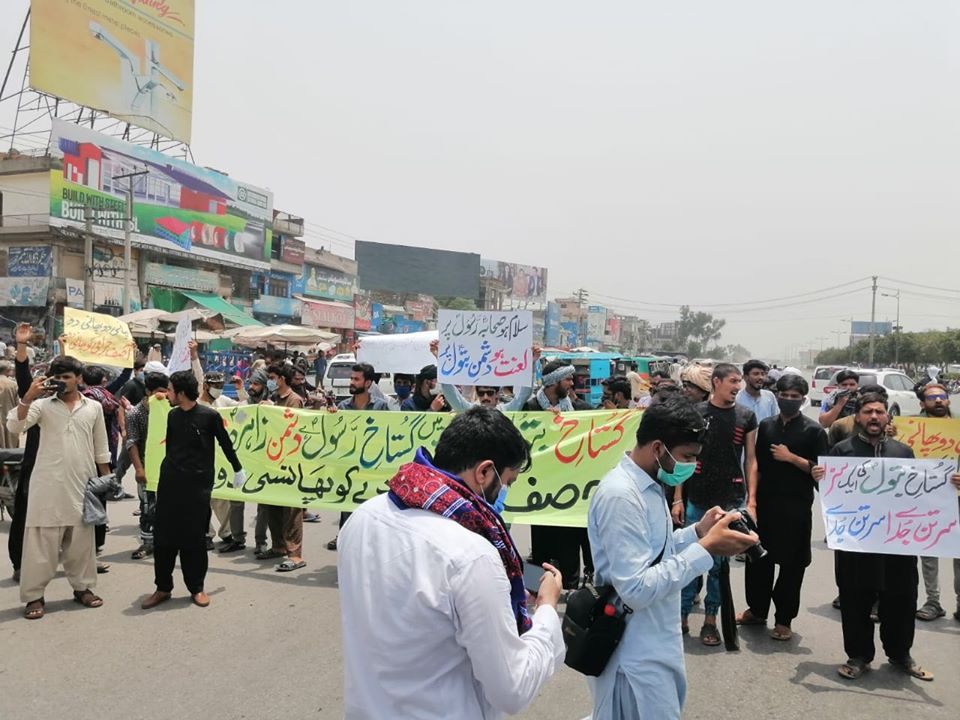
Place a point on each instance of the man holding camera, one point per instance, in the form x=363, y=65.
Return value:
x=842, y=402
x=636, y=551
x=781, y=499
x=73, y=446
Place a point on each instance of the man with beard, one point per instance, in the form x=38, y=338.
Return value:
x=617, y=394
x=728, y=456
x=257, y=391
x=865, y=577
x=753, y=397
x=426, y=396
x=362, y=377
x=696, y=382
x=781, y=499
x=72, y=447
x=436, y=620
x=183, y=492
x=936, y=404
x=562, y=545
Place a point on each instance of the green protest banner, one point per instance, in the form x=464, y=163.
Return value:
x=334, y=461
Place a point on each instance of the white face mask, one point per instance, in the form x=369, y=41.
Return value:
x=215, y=392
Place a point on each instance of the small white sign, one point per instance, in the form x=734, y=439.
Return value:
x=480, y=347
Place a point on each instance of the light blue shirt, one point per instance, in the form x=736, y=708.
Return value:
x=459, y=403
x=629, y=523
x=763, y=407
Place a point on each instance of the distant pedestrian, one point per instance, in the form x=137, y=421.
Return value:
x=183, y=492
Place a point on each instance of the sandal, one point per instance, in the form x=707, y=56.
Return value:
x=930, y=612
x=34, y=609
x=853, y=668
x=911, y=668
x=87, y=598
x=782, y=633
x=290, y=565
x=747, y=618
x=141, y=552
x=709, y=635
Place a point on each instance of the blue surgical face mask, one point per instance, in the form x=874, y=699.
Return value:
x=272, y=385
x=680, y=474
x=403, y=392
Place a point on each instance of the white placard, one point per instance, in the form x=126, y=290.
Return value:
x=896, y=506
x=180, y=357
x=481, y=347
x=401, y=353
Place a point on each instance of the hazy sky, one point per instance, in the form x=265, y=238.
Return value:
x=700, y=152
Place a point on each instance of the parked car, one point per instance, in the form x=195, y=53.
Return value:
x=337, y=376
x=819, y=380
x=902, y=399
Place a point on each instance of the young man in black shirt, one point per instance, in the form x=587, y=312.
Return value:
x=788, y=446
x=728, y=456
x=182, y=513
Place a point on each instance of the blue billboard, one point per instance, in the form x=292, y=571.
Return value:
x=862, y=327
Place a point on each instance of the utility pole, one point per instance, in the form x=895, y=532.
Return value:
x=128, y=231
x=873, y=318
x=582, y=296
x=896, y=328
x=88, y=258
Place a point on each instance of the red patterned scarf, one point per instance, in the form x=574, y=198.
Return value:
x=420, y=485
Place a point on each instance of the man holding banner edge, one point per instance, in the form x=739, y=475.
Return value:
x=863, y=577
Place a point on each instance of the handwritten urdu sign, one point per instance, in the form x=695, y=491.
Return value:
x=97, y=339
x=485, y=347
x=895, y=506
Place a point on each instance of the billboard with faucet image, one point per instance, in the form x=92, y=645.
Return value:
x=132, y=59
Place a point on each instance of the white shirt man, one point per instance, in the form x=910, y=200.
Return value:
x=429, y=625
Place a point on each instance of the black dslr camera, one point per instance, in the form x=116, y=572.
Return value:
x=746, y=525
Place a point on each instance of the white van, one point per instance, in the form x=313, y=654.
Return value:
x=337, y=377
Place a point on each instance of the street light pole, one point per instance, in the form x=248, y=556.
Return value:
x=127, y=232
x=896, y=328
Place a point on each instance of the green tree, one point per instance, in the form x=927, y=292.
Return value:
x=456, y=303
x=696, y=330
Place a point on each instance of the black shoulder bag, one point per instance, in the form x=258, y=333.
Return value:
x=593, y=625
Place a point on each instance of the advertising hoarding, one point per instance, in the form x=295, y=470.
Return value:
x=862, y=327
x=182, y=277
x=24, y=291
x=406, y=269
x=176, y=206
x=522, y=282
x=329, y=284
x=327, y=315
x=364, y=313
x=132, y=59
x=292, y=251
x=30, y=261
x=596, y=323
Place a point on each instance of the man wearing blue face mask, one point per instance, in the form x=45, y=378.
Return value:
x=648, y=563
x=781, y=497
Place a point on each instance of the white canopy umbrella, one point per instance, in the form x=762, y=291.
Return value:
x=254, y=337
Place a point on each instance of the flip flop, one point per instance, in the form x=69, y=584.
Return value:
x=290, y=566
x=747, y=618
x=710, y=635
x=911, y=668
x=853, y=668
x=34, y=609
x=87, y=599
x=783, y=635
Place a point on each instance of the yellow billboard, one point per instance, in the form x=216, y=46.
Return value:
x=132, y=59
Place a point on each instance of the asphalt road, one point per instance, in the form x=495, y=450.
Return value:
x=269, y=646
